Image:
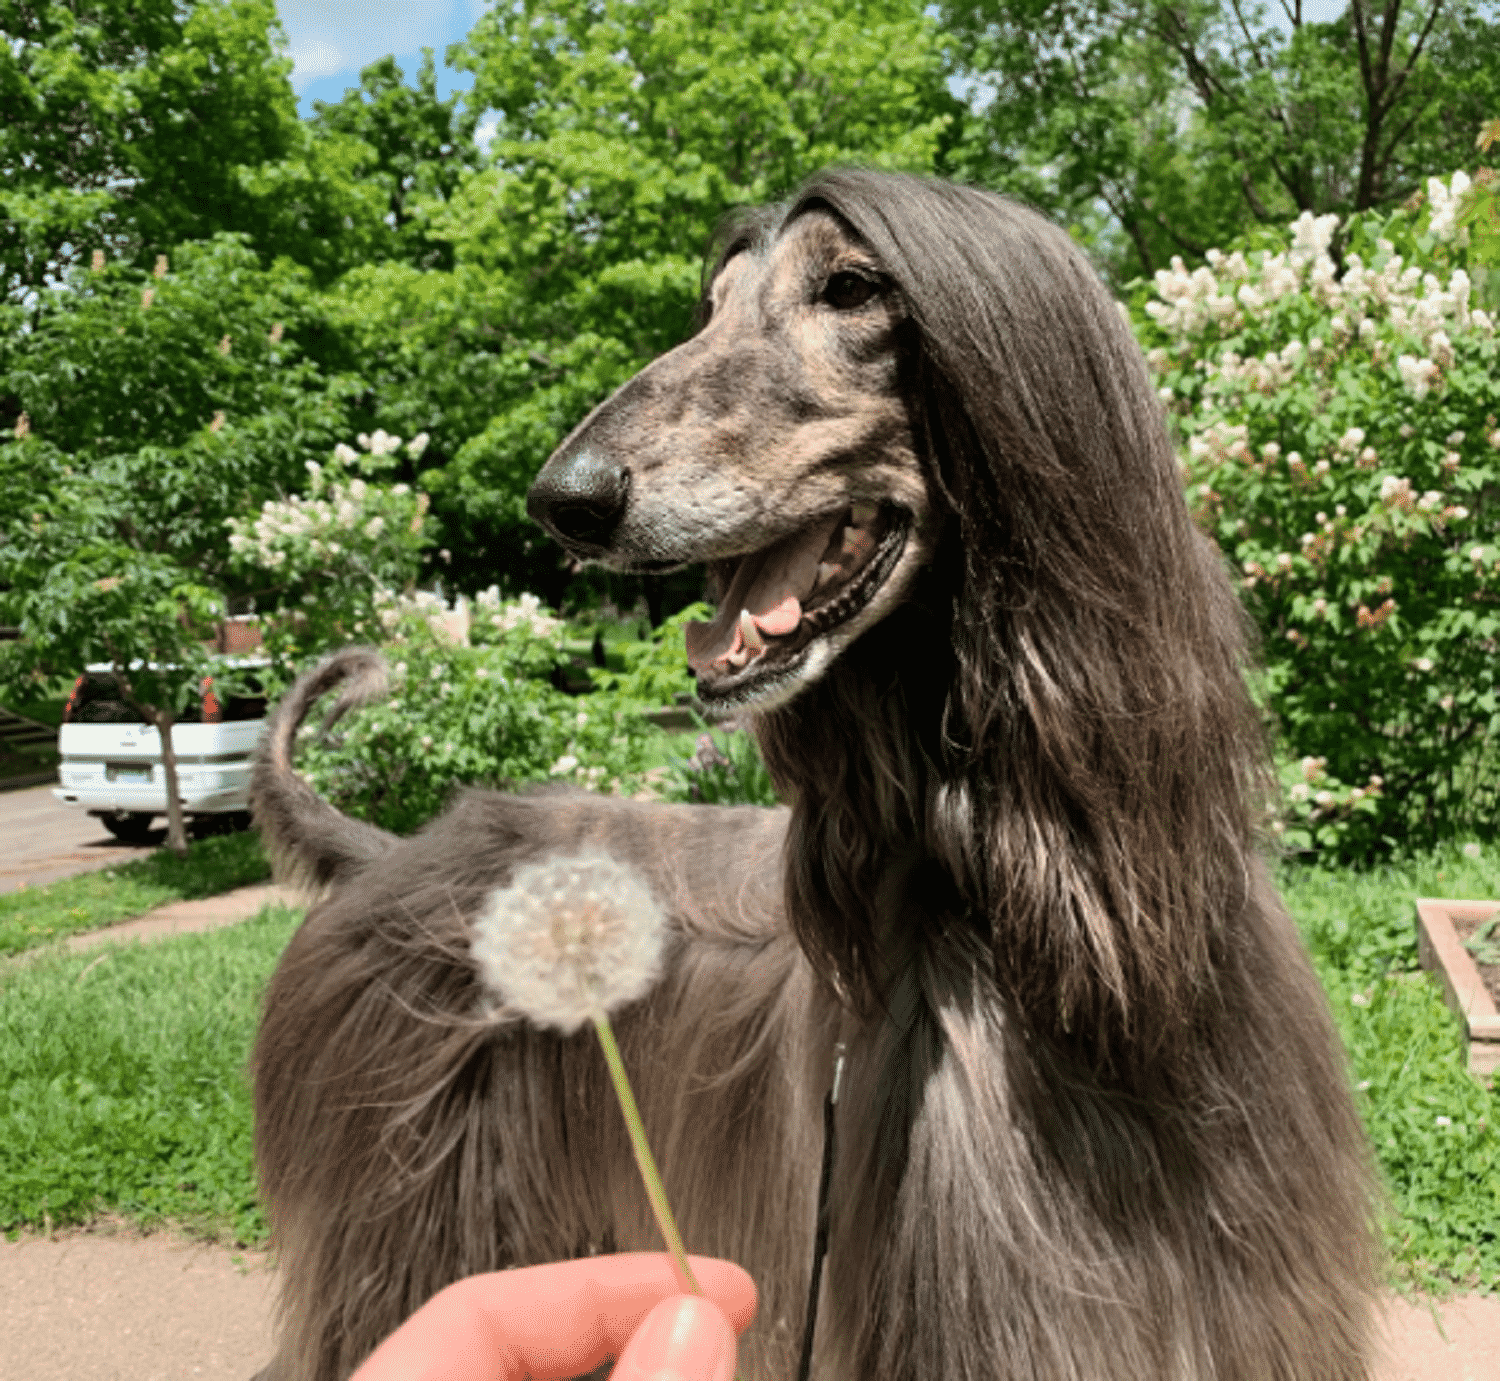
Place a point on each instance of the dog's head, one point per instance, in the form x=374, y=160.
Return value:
x=775, y=446
x=887, y=359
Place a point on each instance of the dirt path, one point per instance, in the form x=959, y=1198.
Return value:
x=113, y=1306
x=109, y=1305
x=187, y=917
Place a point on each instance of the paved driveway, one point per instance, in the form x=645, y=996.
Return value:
x=42, y=840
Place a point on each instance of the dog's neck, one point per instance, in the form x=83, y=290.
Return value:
x=858, y=755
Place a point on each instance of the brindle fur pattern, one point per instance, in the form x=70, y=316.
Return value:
x=1095, y=1123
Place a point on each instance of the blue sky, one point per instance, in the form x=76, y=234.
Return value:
x=332, y=39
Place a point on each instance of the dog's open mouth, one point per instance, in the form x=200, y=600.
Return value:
x=775, y=602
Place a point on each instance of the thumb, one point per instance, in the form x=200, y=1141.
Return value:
x=685, y=1338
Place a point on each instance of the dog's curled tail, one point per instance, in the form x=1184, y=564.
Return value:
x=310, y=842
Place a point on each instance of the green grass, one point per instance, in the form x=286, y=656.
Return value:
x=123, y=1083
x=663, y=748
x=1434, y=1127
x=35, y=916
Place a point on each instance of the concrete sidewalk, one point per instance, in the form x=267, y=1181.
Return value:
x=186, y=917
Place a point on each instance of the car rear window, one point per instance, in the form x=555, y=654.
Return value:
x=96, y=699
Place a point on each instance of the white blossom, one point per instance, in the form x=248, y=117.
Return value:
x=1396, y=492
x=1417, y=374
x=1312, y=235
x=1445, y=204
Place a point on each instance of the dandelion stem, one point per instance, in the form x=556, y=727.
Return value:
x=654, y=1189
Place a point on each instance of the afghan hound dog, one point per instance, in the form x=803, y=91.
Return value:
x=1094, y=1121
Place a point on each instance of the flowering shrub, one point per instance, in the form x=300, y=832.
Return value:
x=461, y=716
x=531, y=637
x=335, y=559
x=656, y=671
x=1340, y=441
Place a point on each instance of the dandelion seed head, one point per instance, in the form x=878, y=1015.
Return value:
x=570, y=937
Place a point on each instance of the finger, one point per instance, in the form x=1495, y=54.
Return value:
x=683, y=1339
x=554, y=1321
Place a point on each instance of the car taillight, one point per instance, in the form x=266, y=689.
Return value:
x=71, y=708
x=213, y=711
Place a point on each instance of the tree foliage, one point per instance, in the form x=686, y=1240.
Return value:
x=125, y=126
x=414, y=152
x=1163, y=127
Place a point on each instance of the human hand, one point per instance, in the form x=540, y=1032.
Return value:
x=563, y=1320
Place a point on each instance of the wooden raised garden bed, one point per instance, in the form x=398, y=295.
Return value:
x=1469, y=988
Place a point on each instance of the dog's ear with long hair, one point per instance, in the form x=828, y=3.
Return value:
x=1103, y=749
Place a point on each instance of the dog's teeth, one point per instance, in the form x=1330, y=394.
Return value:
x=864, y=514
x=827, y=571
x=852, y=538
x=750, y=633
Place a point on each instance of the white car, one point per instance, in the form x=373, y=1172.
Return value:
x=111, y=761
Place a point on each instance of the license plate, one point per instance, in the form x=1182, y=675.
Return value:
x=123, y=772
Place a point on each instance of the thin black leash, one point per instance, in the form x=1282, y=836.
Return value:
x=820, y=1240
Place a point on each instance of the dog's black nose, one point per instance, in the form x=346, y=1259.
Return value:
x=581, y=500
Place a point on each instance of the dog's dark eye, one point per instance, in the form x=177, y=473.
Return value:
x=846, y=291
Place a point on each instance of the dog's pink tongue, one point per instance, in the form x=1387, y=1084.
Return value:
x=771, y=584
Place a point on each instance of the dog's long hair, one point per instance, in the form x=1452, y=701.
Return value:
x=1095, y=1123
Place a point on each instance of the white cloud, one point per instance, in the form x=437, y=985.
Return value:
x=326, y=37
x=316, y=57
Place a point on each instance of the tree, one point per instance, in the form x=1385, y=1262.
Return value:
x=416, y=154
x=145, y=410
x=79, y=597
x=1163, y=128
x=115, y=122
x=184, y=392
x=131, y=127
x=621, y=132
x=1341, y=445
